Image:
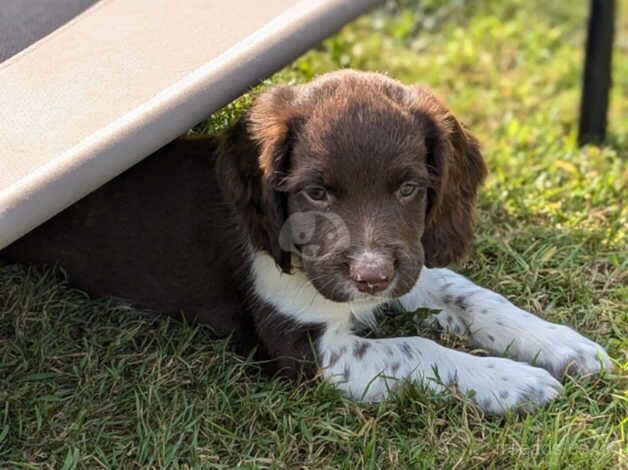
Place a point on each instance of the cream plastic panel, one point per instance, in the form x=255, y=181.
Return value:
x=126, y=77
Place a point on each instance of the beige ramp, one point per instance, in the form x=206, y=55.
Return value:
x=127, y=76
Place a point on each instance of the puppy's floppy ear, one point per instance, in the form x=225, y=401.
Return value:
x=458, y=170
x=253, y=161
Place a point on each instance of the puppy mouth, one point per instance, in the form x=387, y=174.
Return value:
x=343, y=290
x=383, y=295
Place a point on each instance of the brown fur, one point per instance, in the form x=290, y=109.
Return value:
x=354, y=129
x=173, y=234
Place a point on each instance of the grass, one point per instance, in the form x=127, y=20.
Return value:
x=84, y=383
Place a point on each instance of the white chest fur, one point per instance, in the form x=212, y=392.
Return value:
x=294, y=295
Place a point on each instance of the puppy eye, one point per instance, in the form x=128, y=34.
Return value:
x=316, y=193
x=407, y=189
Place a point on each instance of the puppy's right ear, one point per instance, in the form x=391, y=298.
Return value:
x=254, y=159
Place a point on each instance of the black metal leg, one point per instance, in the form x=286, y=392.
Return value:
x=597, y=71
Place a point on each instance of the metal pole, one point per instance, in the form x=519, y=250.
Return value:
x=597, y=72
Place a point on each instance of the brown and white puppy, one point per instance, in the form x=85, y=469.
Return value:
x=323, y=203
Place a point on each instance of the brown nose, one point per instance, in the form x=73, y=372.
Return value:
x=371, y=274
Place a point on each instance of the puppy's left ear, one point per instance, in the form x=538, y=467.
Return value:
x=458, y=170
x=253, y=162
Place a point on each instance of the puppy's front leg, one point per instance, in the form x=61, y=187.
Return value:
x=367, y=369
x=501, y=327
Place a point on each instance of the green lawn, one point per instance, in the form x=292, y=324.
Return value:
x=84, y=383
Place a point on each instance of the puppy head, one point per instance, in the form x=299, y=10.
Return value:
x=356, y=179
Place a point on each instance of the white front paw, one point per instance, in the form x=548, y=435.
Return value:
x=498, y=385
x=562, y=350
x=504, y=329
